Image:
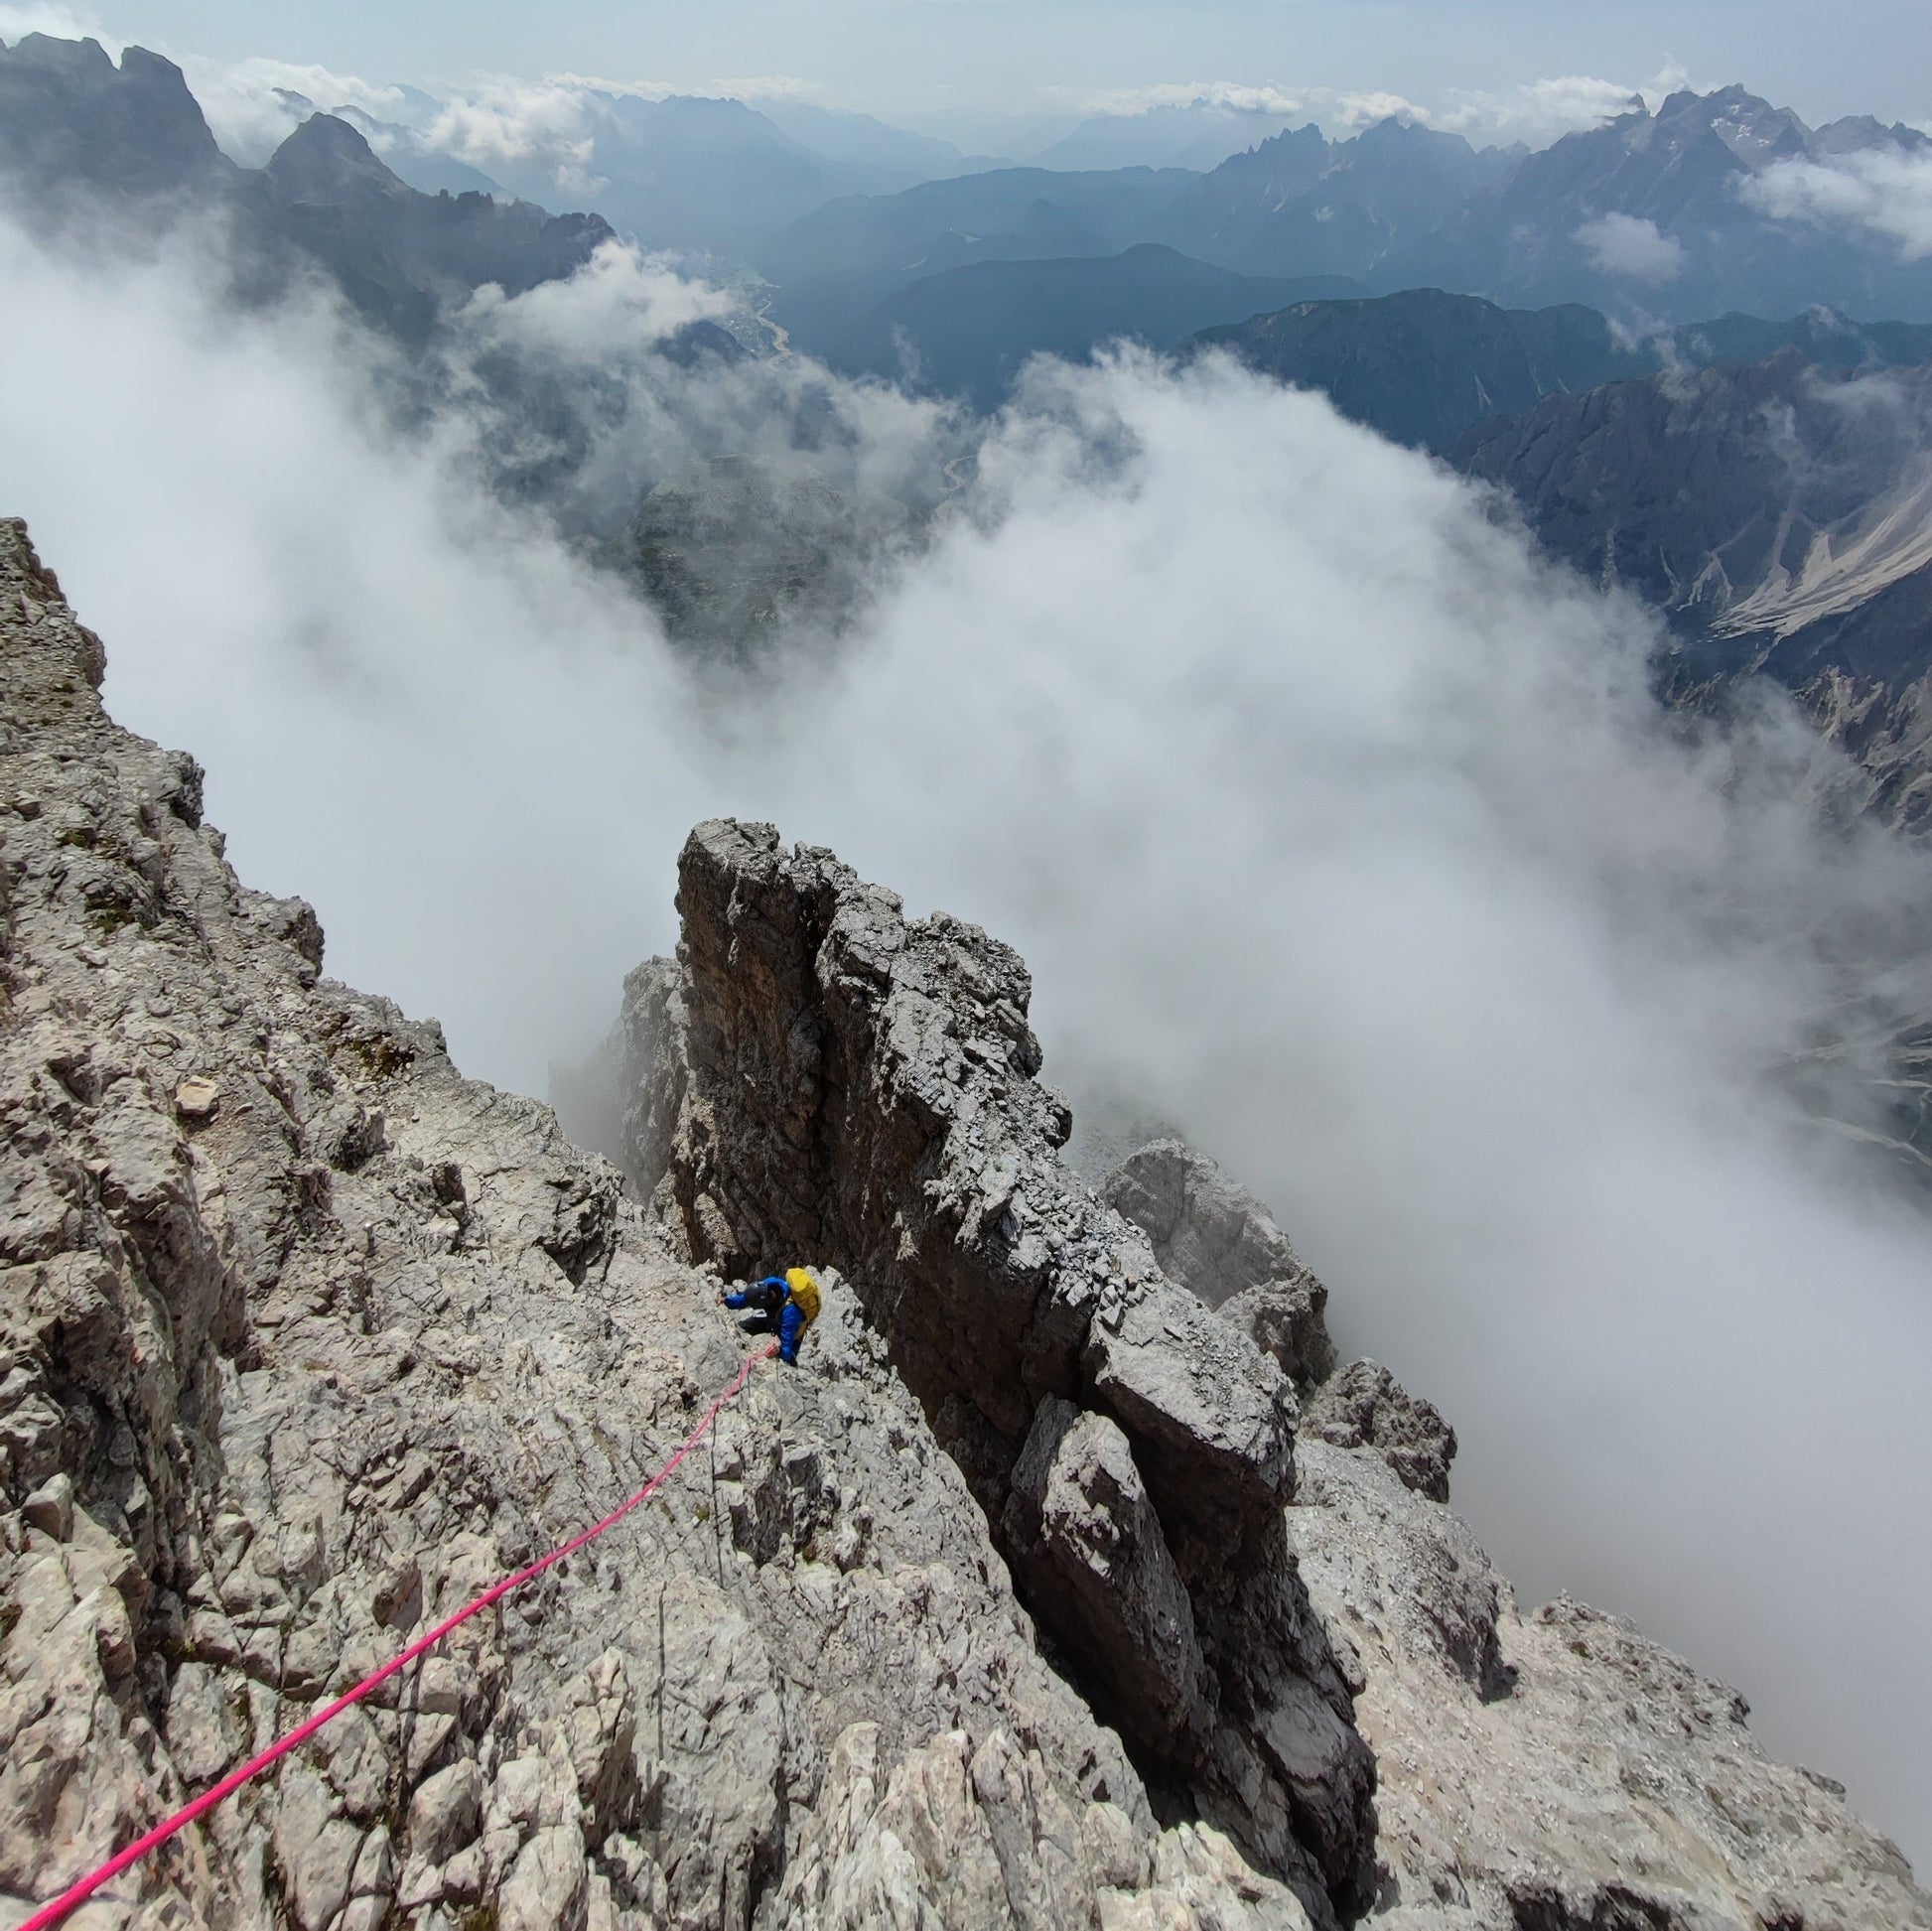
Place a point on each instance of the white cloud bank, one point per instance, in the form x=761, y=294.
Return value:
x=620, y=295
x=253, y=107
x=1539, y=111
x=1886, y=191
x=1632, y=247
x=1535, y=113
x=505, y=126
x=1337, y=108
x=1334, y=827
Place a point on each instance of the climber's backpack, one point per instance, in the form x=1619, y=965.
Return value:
x=804, y=1291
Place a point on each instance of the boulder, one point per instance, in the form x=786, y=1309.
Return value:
x=1221, y=1243
x=1366, y=1407
x=1091, y=1549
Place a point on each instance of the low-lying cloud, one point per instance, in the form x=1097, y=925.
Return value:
x=1335, y=828
x=620, y=295
x=1333, y=107
x=1632, y=247
x=507, y=126
x=252, y=106
x=1886, y=191
x=1535, y=113
x=551, y=128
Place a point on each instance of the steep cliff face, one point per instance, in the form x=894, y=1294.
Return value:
x=815, y=1075
x=304, y=1338
x=823, y=1078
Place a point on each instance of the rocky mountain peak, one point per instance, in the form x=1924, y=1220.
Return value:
x=819, y=1074
x=1858, y=131
x=71, y=118
x=327, y=160
x=85, y=62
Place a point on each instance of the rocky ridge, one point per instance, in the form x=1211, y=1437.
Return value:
x=820, y=1076
x=816, y=1073
x=305, y=1337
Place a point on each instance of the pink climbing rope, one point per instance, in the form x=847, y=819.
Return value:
x=51, y=1914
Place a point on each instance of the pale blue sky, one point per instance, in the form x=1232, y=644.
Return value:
x=907, y=56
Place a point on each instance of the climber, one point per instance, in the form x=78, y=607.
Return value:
x=787, y=1302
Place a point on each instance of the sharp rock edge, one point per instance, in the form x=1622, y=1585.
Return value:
x=305, y=1337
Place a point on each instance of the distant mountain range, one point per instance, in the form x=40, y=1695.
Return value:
x=1425, y=368
x=1655, y=221
x=863, y=141
x=1296, y=207
x=1695, y=210
x=968, y=331
x=711, y=176
x=1779, y=514
x=1767, y=484
x=1303, y=204
x=1717, y=202
x=832, y=269
x=84, y=142
x=1195, y=134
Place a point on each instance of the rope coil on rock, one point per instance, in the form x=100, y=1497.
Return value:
x=78, y=1894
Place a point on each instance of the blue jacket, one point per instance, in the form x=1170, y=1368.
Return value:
x=773, y=1295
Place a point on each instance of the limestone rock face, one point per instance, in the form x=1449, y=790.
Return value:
x=1553, y=1767
x=1090, y=1547
x=305, y=1339
x=1365, y=1405
x=1217, y=1240
x=816, y=1075
x=819, y=1077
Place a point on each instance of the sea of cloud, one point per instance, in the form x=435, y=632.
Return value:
x=1338, y=829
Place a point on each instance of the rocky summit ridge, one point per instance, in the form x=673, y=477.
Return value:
x=1069, y=1581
